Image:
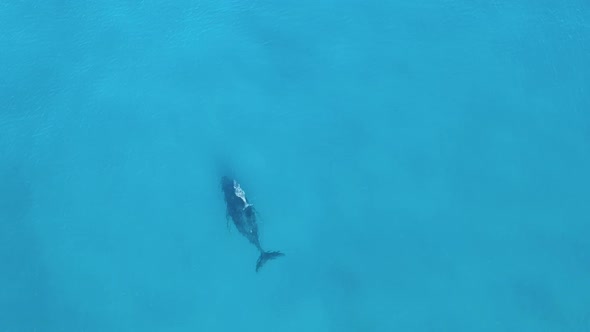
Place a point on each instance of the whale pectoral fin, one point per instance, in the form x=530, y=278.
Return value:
x=227, y=221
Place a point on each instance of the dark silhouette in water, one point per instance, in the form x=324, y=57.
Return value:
x=243, y=215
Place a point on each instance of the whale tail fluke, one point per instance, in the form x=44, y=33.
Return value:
x=266, y=256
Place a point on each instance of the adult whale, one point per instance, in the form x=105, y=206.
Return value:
x=243, y=215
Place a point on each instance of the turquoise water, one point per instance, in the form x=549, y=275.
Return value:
x=422, y=164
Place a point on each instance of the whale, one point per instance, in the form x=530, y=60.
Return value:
x=244, y=217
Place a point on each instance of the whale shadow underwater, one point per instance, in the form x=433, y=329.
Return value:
x=244, y=216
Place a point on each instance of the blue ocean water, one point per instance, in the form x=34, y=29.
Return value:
x=423, y=165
